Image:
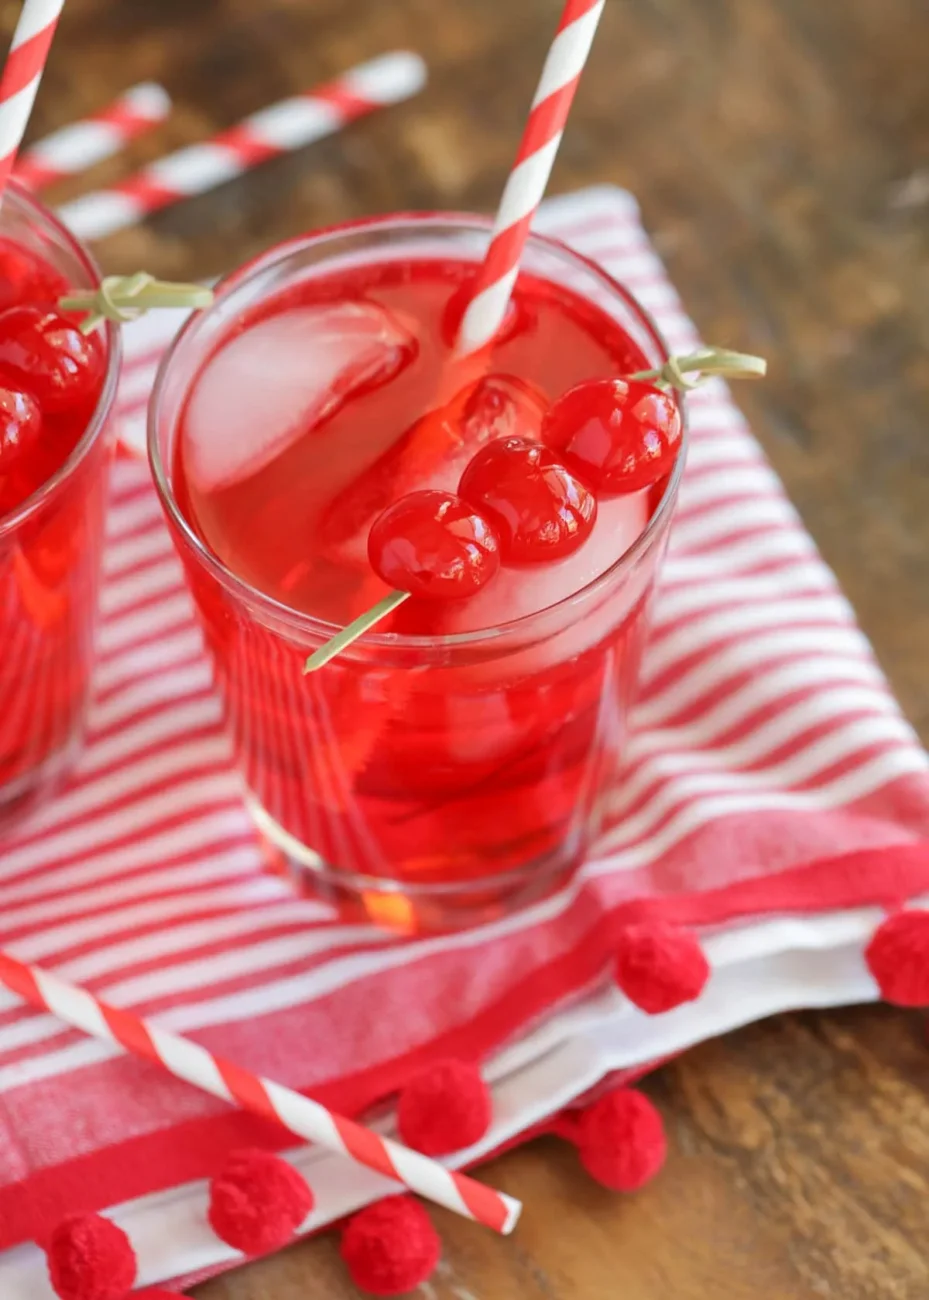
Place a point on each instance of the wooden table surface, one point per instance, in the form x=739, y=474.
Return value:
x=780, y=150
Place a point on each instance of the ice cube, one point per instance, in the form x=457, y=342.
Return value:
x=433, y=453
x=270, y=384
x=516, y=592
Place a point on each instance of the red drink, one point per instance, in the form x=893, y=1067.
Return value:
x=56, y=389
x=451, y=761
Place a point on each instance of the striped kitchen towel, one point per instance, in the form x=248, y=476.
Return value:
x=774, y=799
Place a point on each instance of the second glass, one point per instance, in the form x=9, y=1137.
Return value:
x=51, y=539
x=426, y=781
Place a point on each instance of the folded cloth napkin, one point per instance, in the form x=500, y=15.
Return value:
x=774, y=800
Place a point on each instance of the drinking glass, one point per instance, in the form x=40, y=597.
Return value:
x=426, y=783
x=50, y=558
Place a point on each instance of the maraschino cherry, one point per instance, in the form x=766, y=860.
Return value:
x=520, y=501
x=20, y=430
x=429, y=544
x=621, y=435
x=27, y=278
x=20, y=425
x=46, y=354
x=539, y=508
x=433, y=545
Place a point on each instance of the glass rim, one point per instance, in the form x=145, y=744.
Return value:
x=97, y=422
x=322, y=629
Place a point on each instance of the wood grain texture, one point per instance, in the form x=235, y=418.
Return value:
x=780, y=150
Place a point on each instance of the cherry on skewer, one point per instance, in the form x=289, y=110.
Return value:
x=46, y=354
x=429, y=544
x=622, y=435
x=539, y=508
x=518, y=490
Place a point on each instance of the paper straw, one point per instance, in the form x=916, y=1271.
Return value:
x=83, y=144
x=279, y=129
x=302, y=1116
x=527, y=180
x=22, y=73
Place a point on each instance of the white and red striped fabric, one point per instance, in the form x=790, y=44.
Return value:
x=80, y=145
x=22, y=73
x=531, y=169
x=290, y=124
x=775, y=799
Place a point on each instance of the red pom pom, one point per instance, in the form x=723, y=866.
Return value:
x=898, y=958
x=659, y=966
x=257, y=1202
x=621, y=1140
x=90, y=1258
x=443, y=1108
x=391, y=1247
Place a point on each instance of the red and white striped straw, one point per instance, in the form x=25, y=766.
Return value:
x=527, y=181
x=302, y=1116
x=22, y=73
x=83, y=144
x=279, y=129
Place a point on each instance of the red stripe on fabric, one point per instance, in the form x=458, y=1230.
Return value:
x=247, y=1089
x=248, y=925
x=128, y=681
x=483, y=1202
x=154, y=829
x=546, y=120
x=26, y=62
x=129, y=1032
x=182, y=779
x=245, y=983
x=160, y=865
x=181, y=621
x=692, y=711
x=575, y=9
x=150, y=357
x=653, y=687
x=73, y=948
x=580, y=232
x=816, y=618
x=134, y=405
x=365, y=1147
x=202, y=984
x=147, y=713
x=100, y=1179
x=149, y=195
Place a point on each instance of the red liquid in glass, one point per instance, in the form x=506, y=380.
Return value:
x=412, y=765
x=50, y=556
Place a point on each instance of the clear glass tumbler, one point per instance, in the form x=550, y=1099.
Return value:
x=50, y=558
x=426, y=783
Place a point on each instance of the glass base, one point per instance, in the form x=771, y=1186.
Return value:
x=409, y=907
